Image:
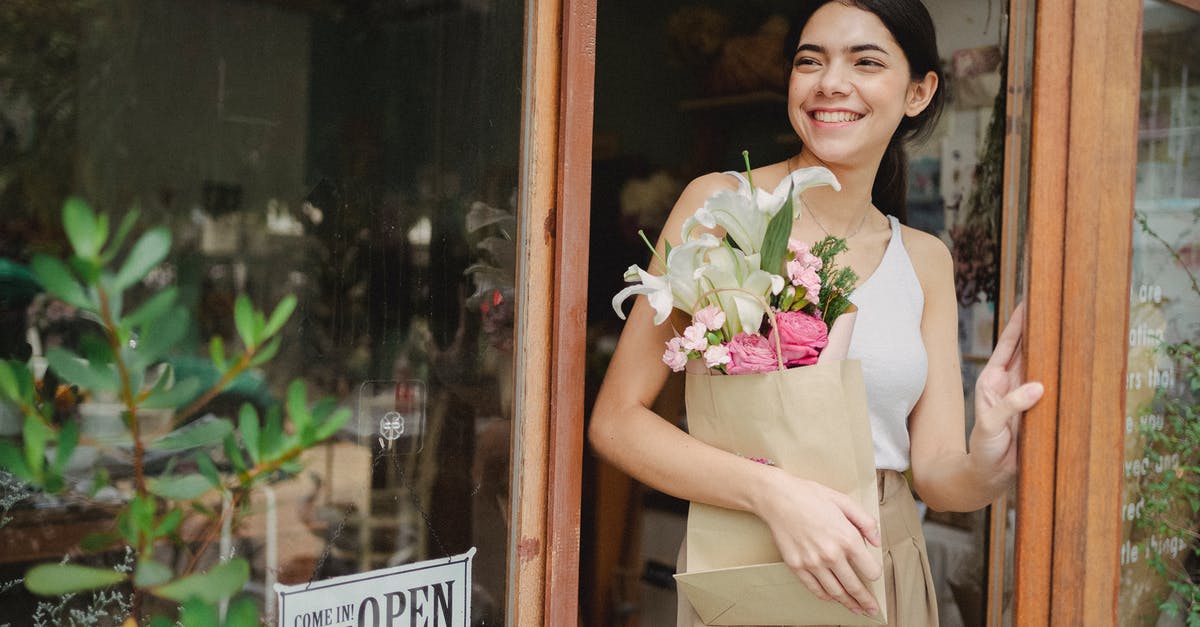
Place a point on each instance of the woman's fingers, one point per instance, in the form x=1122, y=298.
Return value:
x=855, y=589
x=1009, y=340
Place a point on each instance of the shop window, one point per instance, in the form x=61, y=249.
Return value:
x=361, y=156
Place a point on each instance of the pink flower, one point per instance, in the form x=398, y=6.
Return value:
x=695, y=338
x=801, y=253
x=675, y=357
x=711, y=317
x=801, y=337
x=806, y=277
x=716, y=355
x=751, y=353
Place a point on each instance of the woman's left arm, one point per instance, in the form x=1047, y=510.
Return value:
x=946, y=474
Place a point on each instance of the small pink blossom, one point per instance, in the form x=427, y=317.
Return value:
x=711, y=317
x=801, y=252
x=675, y=357
x=801, y=337
x=716, y=355
x=695, y=338
x=750, y=353
x=806, y=277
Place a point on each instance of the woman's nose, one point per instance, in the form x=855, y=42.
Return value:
x=834, y=80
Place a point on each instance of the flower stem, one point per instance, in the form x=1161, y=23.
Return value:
x=749, y=176
x=654, y=250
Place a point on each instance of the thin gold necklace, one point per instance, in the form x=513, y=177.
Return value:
x=817, y=221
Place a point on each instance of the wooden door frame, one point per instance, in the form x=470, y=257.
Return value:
x=551, y=318
x=1087, y=79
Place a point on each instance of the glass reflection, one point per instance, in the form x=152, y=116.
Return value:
x=360, y=155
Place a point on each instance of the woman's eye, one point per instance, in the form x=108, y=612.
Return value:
x=805, y=61
x=869, y=63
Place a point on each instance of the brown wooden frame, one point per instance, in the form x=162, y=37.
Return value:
x=1084, y=150
x=553, y=219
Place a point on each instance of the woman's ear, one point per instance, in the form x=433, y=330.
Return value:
x=920, y=93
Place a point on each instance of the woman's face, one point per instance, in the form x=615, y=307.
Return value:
x=851, y=86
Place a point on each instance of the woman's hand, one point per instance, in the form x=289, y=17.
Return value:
x=820, y=534
x=1000, y=397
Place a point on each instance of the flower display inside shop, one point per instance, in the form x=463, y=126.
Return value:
x=757, y=298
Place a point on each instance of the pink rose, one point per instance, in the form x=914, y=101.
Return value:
x=751, y=353
x=801, y=337
x=675, y=357
x=711, y=317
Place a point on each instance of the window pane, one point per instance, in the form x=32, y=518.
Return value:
x=361, y=156
x=1158, y=509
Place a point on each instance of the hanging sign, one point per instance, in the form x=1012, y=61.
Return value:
x=436, y=593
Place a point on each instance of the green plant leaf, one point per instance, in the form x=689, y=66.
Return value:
x=154, y=308
x=234, y=454
x=774, y=248
x=243, y=319
x=169, y=523
x=249, y=427
x=206, y=431
x=58, y=579
x=68, y=438
x=12, y=460
x=141, y=515
x=216, y=350
x=95, y=542
x=331, y=426
x=174, y=396
x=149, y=251
x=8, y=382
x=221, y=582
x=151, y=573
x=79, y=221
x=280, y=316
x=272, y=434
x=266, y=353
x=74, y=369
x=161, y=336
x=118, y=239
x=199, y=613
x=297, y=409
x=179, y=488
x=58, y=281
x=243, y=612
x=206, y=467
x=36, y=435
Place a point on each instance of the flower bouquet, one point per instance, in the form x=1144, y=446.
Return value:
x=768, y=379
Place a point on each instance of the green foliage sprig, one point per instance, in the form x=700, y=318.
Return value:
x=127, y=359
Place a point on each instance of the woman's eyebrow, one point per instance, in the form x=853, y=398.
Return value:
x=855, y=49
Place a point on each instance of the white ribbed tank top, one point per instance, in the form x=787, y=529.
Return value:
x=887, y=340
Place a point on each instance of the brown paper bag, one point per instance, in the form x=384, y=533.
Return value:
x=810, y=421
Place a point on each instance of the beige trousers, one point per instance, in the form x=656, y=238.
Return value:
x=909, y=585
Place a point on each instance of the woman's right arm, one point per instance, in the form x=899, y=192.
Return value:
x=819, y=531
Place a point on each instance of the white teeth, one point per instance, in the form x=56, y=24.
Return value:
x=835, y=116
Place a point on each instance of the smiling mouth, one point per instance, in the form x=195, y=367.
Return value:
x=835, y=116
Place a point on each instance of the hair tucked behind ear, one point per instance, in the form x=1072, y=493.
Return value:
x=909, y=22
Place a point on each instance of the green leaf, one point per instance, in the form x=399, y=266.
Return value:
x=169, y=523
x=242, y=613
x=36, y=435
x=141, y=515
x=774, y=248
x=199, y=613
x=13, y=461
x=79, y=221
x=174, y=396
x=148, y=252
x=151, y=573
x=179, y=488
x=243, y=319
x=296, y=405
x=206, y=431
x=154, y=308
x=59, y=282
x=159, y=338
x=58, y=579
x=271, y=438
x=95, y=542
x=234, y=454
x=249, y=428
x=73, y=369
x=68, y=438
x=331, y=426
x=266, y=353
x=206, y=467
x=221, y=582
x=280, y=316
x=8, y=382
x=118, y=239
x=216, y=349
x=88, y=271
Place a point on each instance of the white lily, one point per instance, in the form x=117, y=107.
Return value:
x=739, y=287
x=679, y=287
x=744, y=215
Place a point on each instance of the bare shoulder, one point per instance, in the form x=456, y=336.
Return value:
x=930, y=256
x=699, y=190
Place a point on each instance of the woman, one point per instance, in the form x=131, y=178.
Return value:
x=864, y=79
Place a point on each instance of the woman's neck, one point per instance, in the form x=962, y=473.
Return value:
x=855, y=195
